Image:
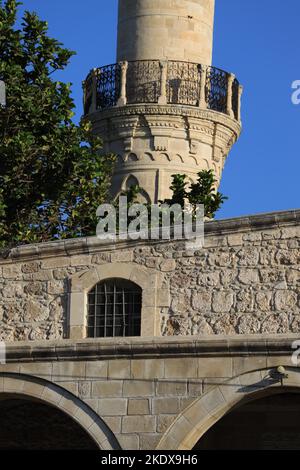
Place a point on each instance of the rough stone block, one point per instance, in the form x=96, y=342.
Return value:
x=81, y=260
x=41, y=369
x=113, y=422
x=147, y=368
x=235, y=239
x=195, y=388
x=181, y=368
x=138, y=424
x=149, y=441
x=12, y=271
x=167, y=265
x=214, y=367
x=128, y=441
x=222, y=301
x=66, y=370
x=96, y=370
x=28, y=268
x=56, y=262
x=201, y=301
x=138, y=406
x=164, y=421
x=248, y=276
x=43, y=275
x=285, y=300
x=165, y=405
x=122, y=257
x=119, y=369
x=171, y=388
x=112, y=407
x=104, y=389
x=138, y=388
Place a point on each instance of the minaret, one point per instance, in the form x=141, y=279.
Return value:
x=166, y=30
x=162, y=108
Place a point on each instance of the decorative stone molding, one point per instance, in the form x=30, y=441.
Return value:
x=123, y=100
x=175, y=130
x=90, y=245
x=154, y=297
x=172, y=110
x=55, y=396
x=101, y=349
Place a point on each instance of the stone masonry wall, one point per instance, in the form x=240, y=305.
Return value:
x=140, y=386
x=160, y=29
x=245, y=280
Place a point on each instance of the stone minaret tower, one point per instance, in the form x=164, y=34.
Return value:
x=162, y=108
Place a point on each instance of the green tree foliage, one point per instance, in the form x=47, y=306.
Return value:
x=52, y=176
x=201, y=192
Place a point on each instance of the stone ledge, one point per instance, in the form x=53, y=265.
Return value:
x=143, y=348
x=92, y=245
x=169, y=110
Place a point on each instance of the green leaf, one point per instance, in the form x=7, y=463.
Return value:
x=52, y=178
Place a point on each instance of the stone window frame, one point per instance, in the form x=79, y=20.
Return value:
x=154, y=295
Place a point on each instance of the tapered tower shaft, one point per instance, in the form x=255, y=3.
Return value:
x=166, y=30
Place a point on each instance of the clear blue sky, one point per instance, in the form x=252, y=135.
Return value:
x=258, y=41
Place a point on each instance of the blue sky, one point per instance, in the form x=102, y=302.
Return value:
x=255, y=39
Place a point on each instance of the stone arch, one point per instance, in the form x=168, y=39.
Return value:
x=215, y=169
x=132, y=157
x=119, y=159
x=191, y=161
x=147, y=157
x=177, y=159
x=48, y=393
x=163, y=158
x=154, y=297
x=130, y=181
x=204, y=412
x=205, y=164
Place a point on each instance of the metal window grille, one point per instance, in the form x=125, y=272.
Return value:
x=114, y=309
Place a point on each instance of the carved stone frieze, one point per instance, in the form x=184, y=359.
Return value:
x=155, y=141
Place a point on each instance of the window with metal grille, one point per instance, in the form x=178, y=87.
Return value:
x=114, y=309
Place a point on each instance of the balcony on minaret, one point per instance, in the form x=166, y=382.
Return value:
x=162, y=83
x=162, y=108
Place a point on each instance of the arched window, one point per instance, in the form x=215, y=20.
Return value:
x=114, y=309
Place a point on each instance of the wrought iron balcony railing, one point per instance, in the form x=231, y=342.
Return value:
x=170, y=82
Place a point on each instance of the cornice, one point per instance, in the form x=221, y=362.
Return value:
x=92, y=245
x=137, y=348
x=167, y=110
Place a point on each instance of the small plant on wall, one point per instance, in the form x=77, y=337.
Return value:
x=201, y=192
